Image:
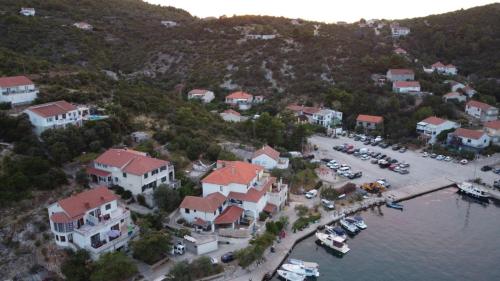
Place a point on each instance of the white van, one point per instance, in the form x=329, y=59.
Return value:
x=179, y=248
x=342, y=170
x=311, y=193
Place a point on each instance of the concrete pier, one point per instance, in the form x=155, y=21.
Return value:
x=414, y=190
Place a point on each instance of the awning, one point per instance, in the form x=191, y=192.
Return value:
x=270, y=208
x=97, y=172
x=230, y=215
x=113, y=233
x=60, y=217
x=200, y=222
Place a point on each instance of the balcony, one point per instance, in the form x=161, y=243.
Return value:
x=15, y=92
x=93, y=223
x=112, y=243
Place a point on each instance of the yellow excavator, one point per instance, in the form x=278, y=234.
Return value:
x=373, y=187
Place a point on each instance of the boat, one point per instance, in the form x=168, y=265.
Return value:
x=360, y=223
x=336, y=230
x=304, y=263
x=333, y=242
x=473, y=190
x=290, y=276
x=394, y=205
x=300, y=269
x=349, y=227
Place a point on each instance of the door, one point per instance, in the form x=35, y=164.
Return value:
x=95, y=240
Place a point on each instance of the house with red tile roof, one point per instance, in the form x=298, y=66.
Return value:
x=240, y=99
x=492, y=128
x=92, y=220
x=404, y=87
x=269, y=158
x=481, y=111
x=133, y=170
x=454, y=96
x=440, y=68
x=400, y=74
x=429, y=128
x=400, y=51
x=83, y=25
x=205, y=96
x=468, y=139
x=54, y=115
x=230, y=115
x=17, y=90
x=246, y=189
x=369, y=122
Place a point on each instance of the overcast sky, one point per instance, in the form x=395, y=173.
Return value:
x=322, y=10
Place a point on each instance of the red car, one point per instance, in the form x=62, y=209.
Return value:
x=392, y=167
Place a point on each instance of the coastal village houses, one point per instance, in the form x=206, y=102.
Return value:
x=400, y=75
x=399, y=31
x=327, y=118
x=467, y=139
x=481, y=111
x=240, y=99
x=53, y=115
x=92, y=220
x=133, y=170
x=230, y=115
x=492, y=128
x=17, y=90
x=269, y=158
x=205, y=96
x=369, y=122
x=235, y=189
x=440, y=68
x=405, y=87
x=303, y=112
x=454, y=96
x=431, y=127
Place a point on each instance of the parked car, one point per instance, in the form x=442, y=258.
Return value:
x=179, y=248
x=402, y=150
x=374, y=161
x=433, y=155
x=393, y=161
x=227, y=257
x=384, y=145
x=496, y=184
x=395, y=147
x=440, y=157
x=326, y=160
x=384, y=183
x=367, y=142
x=404, y=165
x=486, y=168
x=365, y=157
x=447, y=159
x=425, y=154
x=464, y=161
x=496, y=171
x=327, y=204
x=311, y=193
x=342, y=170
x=404, y=171
x=214, y=261
x=355, y=175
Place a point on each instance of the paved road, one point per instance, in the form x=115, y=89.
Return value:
x=421, y=169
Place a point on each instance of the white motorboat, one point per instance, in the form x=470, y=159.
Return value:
x=290, y=276
x=473, y=190
x=300, y=269
x=359, y=222
x=336, y=231
x=333, y=242
x=304, y=263
x=350, y=227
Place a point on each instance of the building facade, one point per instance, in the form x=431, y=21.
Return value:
x=400, y=74
x=133, y=170
x=269, y=158
x=241, y=100
x=369, y=122
x=405, y=87
x=92, y=220
x=205, y=96
x=431, y=127
x=492, y=128
x=481, y=111
x=468, y=139
x=327, y=118
x=17, y=90
x=53, y=115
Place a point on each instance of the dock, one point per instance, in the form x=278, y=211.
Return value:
x=414, y=190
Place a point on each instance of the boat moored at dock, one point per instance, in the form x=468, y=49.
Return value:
x=336, y=230
x=290, y=276
x=359, y=222
x=304, y=263
x=333, y=242
x=473, y=190
x=348, y=226
x=301, y=270
x=394, y=205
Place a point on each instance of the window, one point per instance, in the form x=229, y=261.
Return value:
x=108, y=206
x=154, y=172
x=122, y=220
x=124, y=175
x=220, y=188
x=49, y=119
x=57, y=238
x=63, y=238
x=146, y=175
x=116, y=179
x=164, y=179
x=186, y=211
x=163, y=168
x=64, y=116
x=194, y=211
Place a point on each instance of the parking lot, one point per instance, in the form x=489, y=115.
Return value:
x=422, y=169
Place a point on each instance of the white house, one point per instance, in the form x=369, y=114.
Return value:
x=17, y=90
x=169, y=23
x=439, y=67
x=369, y=122
x=469, y=91
x=400, y=51
x=83, y=25
x=230, y=115
x=403, y=87
x=492, y=128
x=233, y=190
x=469, y=139
x=400, y=74
x=205, y=96
x=92, y=220
x=132, y=170
x=260, y=36
x=269, y=158
x=481, y=111
x=53, y=115
x=27, y=12
x=454, y=96
x=303, y=112
x=431, y=127
x=398, y=31
x=454, y=85
x=327, y=118
x=240, y=99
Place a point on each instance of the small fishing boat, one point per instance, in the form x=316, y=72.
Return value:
x=333, y=242
x=349, y=227
x=394, y=205
x=290, y=276
x=301, y=270
x=304, y=263
x=472, y=190
x=359, y=222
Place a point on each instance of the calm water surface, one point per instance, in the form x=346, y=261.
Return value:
x=439, y=236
